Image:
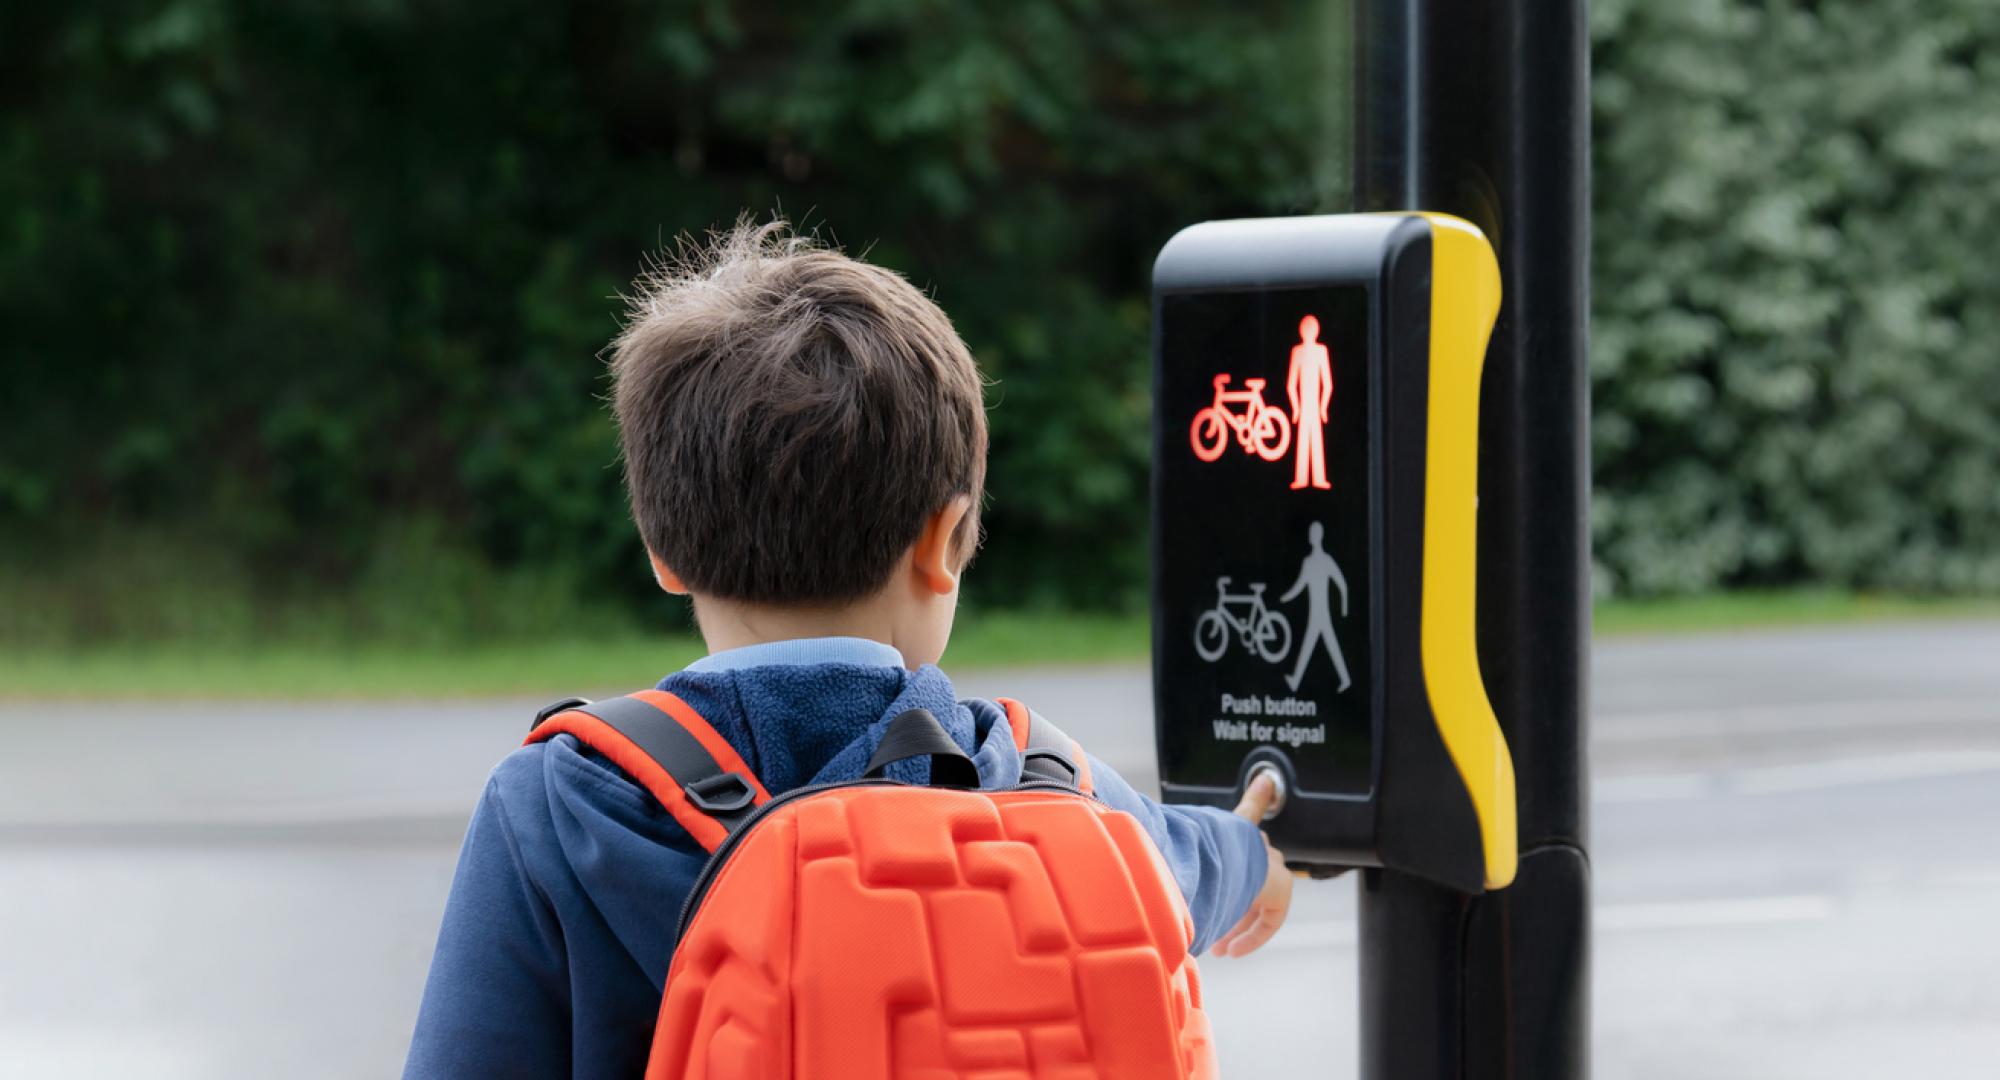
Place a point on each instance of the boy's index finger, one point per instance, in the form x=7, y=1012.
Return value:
x=1258, y=798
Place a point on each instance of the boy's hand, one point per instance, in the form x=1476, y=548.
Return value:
x=1267, y=912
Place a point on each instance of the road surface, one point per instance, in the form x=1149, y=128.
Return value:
x=1793, y=842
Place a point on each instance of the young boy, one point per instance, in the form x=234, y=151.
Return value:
x=805, y=444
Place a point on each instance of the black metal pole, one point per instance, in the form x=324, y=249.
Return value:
x=1480, y=108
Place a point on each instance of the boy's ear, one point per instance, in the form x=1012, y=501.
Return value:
x=668, y=580
x=935, y=557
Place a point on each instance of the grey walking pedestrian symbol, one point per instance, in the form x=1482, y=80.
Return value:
x=1315, y=574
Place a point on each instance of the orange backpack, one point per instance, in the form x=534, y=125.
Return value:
x=872, y=928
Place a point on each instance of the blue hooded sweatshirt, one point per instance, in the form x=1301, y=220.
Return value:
x=553, y=956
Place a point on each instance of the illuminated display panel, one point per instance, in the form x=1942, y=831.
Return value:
x=1263, y=514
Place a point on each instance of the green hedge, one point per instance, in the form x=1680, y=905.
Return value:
x=296, y=290
x=281, y=280
x=1797, y=327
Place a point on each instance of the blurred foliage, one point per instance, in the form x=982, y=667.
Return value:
x=1797, y=313
x=302, y=301
x=287, y=283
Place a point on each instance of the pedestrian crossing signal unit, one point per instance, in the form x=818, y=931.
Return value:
x=1315, y=468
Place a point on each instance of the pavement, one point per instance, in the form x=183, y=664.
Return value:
x=1792, y=844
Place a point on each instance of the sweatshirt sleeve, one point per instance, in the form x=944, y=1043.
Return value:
x=1217, y=858
x=496, y=1004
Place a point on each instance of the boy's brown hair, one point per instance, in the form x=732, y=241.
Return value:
x=791, y=418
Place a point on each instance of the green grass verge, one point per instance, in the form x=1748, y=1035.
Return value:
x=196, y=671
x=1754, y=610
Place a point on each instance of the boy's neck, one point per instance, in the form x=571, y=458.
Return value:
x=728, y=625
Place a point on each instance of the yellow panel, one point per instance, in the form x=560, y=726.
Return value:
x=1465, y=299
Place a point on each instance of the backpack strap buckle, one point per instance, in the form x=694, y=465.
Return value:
x=1035, y=758
x=661, y=742
x=722, y=795
x=554, y=707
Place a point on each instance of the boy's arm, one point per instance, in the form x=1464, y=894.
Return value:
x=1219, y=859
x=1274, y=901
x=497, y=1000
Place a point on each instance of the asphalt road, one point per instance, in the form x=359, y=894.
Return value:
x=1793, y=844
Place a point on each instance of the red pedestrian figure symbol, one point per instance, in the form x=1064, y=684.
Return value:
x=1310, y=386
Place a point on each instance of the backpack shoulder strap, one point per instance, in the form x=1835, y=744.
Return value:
x=1039, y=741
x=660, y=741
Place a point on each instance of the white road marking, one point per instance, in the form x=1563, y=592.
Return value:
x=1792, y=778
x=1969, y=879
x=237, y=815
x=1683, y=914
x=56, y=1052
x=1662, y=788
x=1810, y=717
x=1616, y=918
x=1846, y=772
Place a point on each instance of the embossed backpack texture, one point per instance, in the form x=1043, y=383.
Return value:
x=876, y=929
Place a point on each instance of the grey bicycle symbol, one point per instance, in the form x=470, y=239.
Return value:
x=1261, y=630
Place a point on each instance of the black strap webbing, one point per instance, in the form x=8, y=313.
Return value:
x=917, y=733
x=676, y=750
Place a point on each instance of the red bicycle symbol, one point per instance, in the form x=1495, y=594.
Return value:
x=1261, y=429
